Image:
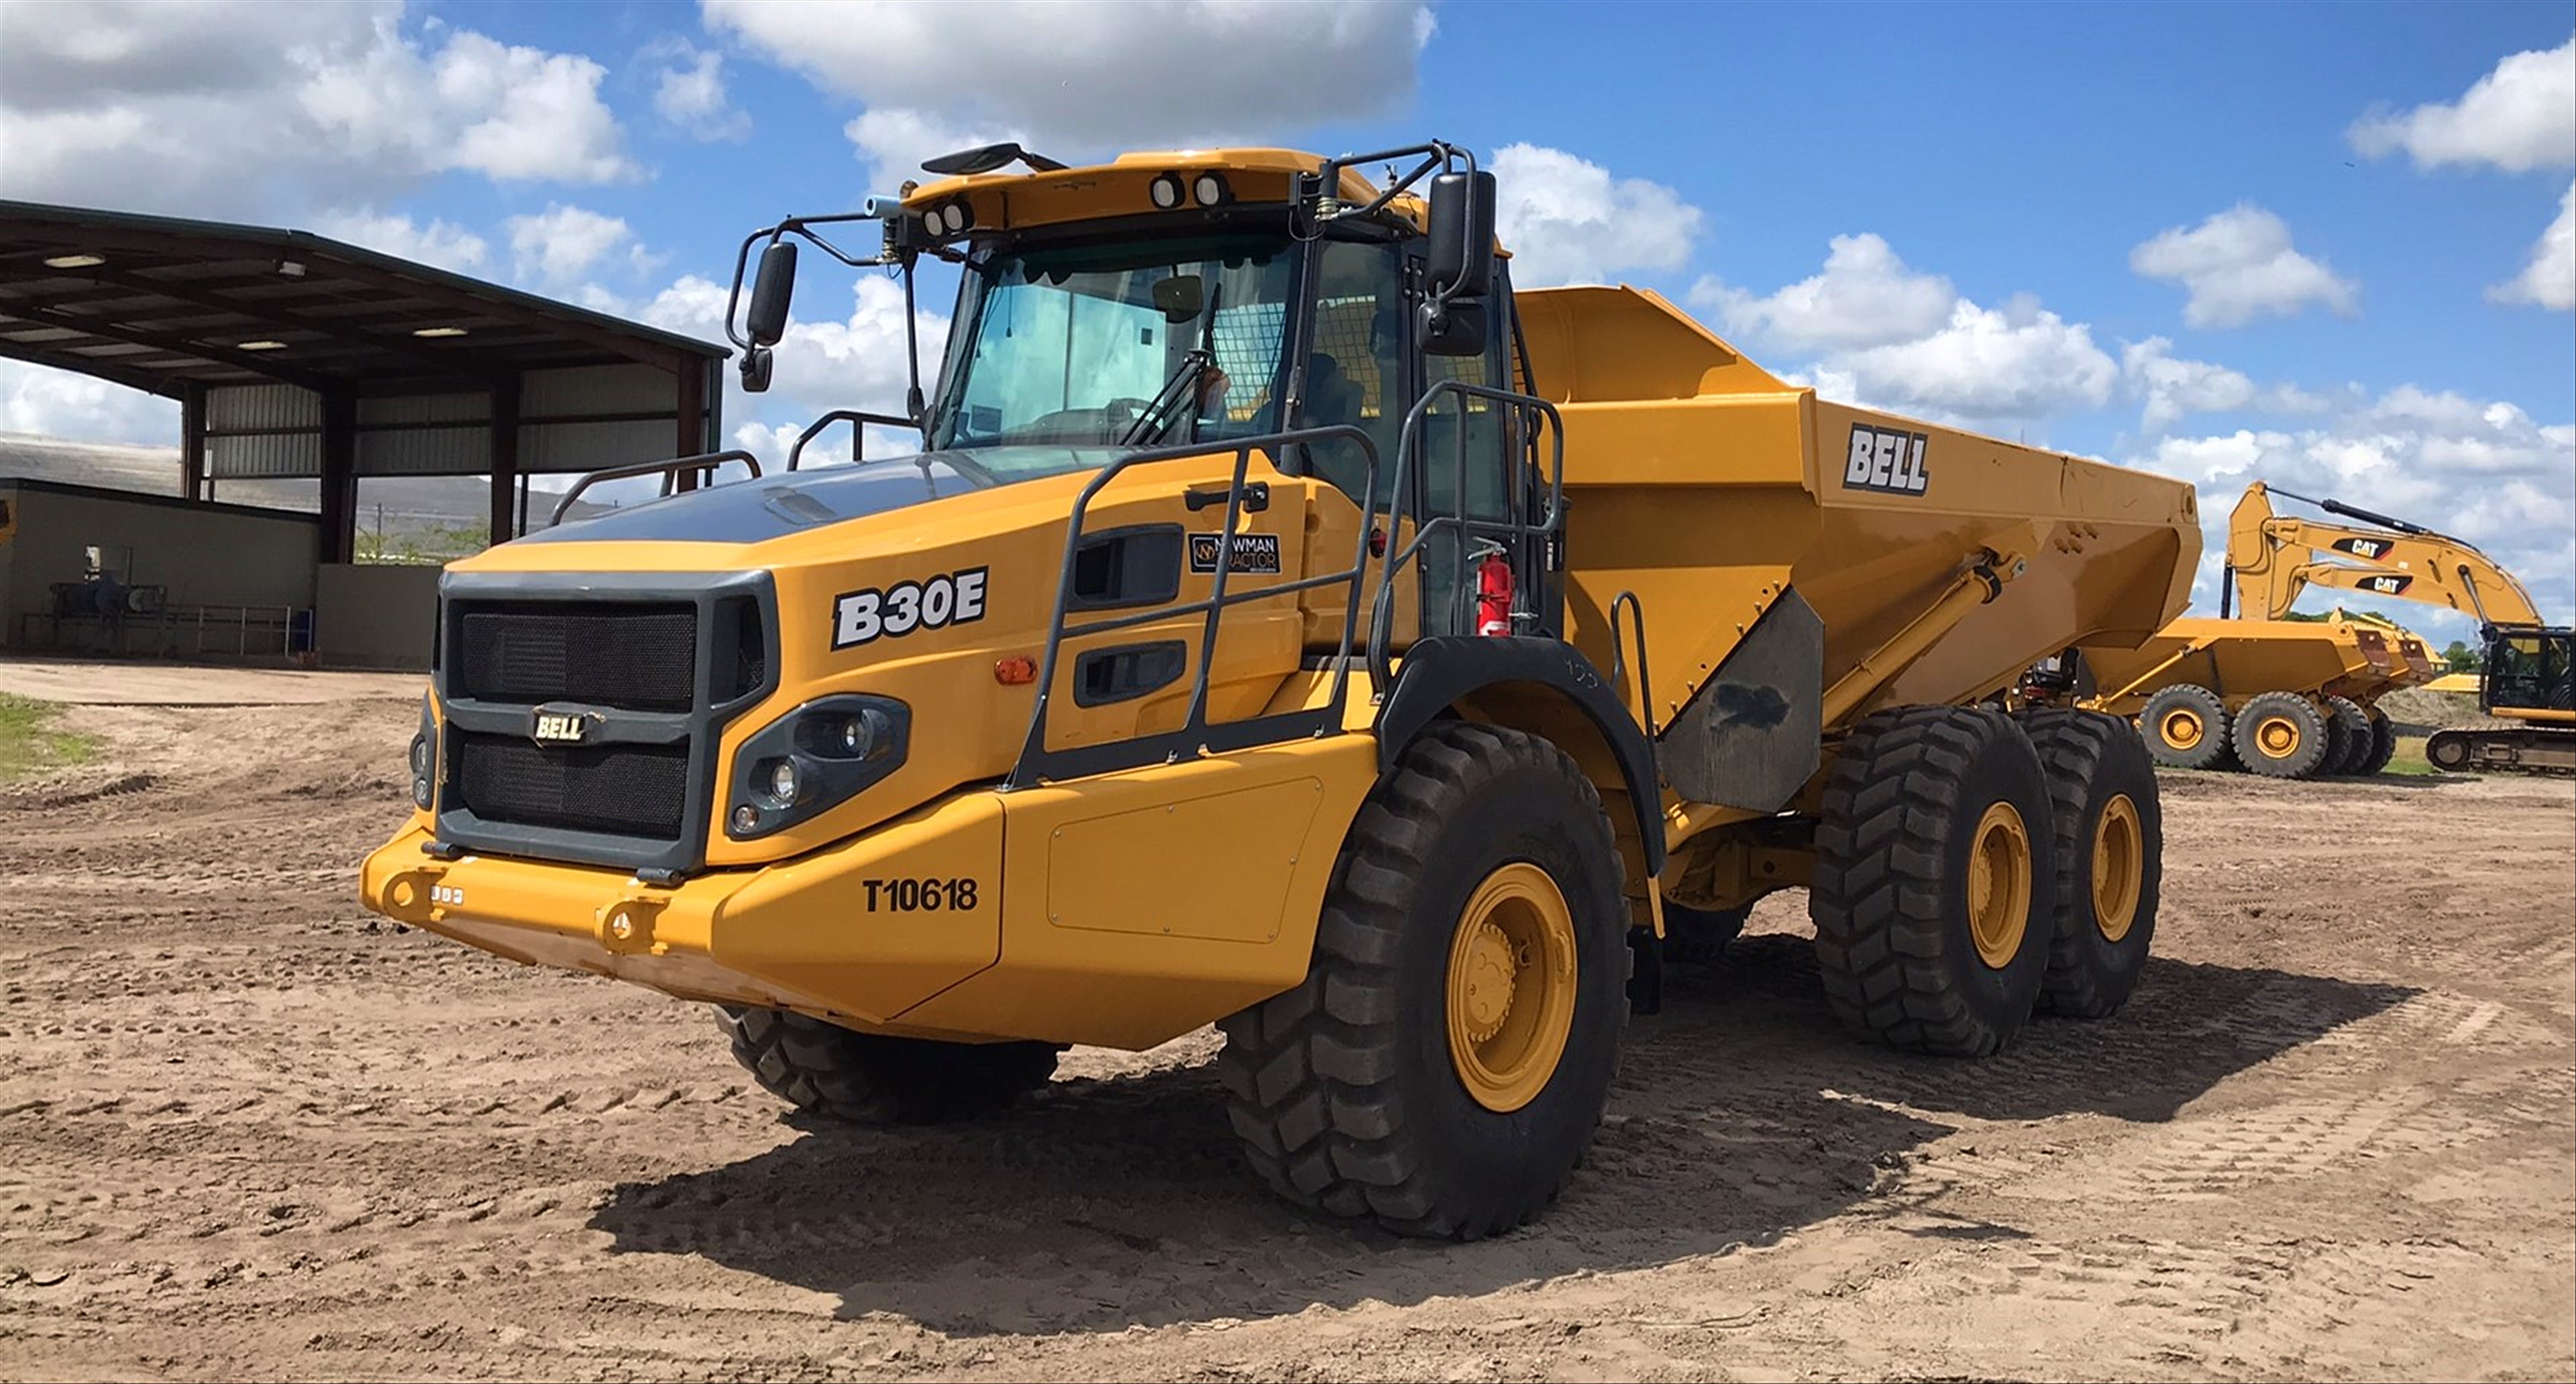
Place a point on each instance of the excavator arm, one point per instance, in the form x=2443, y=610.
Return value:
x=2274, y=557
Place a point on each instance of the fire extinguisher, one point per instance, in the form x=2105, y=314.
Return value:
x=1493, y=591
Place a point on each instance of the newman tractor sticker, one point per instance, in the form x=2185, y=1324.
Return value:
x=1886, y=461
x=1253, y=552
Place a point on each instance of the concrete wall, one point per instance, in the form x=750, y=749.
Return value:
x=375, y=616
x=201, y=555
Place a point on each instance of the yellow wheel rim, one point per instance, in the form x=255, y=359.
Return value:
x=2119, y=868
x=1511, y=987
x=2277, y=736
x=1999, y=885
x=2182, y=728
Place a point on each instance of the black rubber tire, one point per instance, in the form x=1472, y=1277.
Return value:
x=872, y=1079
x=1343, y=1089
x=1900, y=816
x=1700, y=936
x=2383, y=744
x=2090, y=759
x=2351, y=735
x=2304, y=757
x=2211, y=752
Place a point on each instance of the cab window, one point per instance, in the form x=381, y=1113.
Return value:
x=1355, y=365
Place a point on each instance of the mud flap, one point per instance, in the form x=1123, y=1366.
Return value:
x=1750, y=736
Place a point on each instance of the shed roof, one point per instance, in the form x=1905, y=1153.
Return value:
x=161, y=304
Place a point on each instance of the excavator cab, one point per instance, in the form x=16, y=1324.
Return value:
x=2529, y=670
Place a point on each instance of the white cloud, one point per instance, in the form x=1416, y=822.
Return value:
x=2171, y=387
x=2239, y=265
x=513, y=113
x=226, y=108
x=58, y=403
x=2518, y=117
x=1865, y=296
x=2481, y=470
x=689, y=94
x=442, y=243
x=2549, y=280
x=1566, y=220
x=560, y=244
x=2019, y=361
x=1086, y=79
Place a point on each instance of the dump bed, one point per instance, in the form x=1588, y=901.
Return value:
x=1708, y=486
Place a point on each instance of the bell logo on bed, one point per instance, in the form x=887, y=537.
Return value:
x=1887, y=461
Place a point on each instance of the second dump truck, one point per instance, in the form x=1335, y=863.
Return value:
x=1285, y=624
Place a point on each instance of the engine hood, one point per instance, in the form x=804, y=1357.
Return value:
x=760, y=508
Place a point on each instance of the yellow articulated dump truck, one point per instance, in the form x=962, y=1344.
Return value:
x=1284, y=624
x=2285, y=699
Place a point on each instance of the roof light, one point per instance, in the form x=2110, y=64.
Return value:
x=260, y=346
x=74, y=261
x=438, y=331
x=1166, y=190
x=1210, y=190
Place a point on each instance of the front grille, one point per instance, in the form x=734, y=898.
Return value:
x=641, y=656
x=654, y=665
x=630, y=790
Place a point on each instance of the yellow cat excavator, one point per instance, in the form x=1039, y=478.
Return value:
x=2530, y=665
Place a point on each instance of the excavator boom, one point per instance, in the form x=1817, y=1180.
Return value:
x=2275, y=557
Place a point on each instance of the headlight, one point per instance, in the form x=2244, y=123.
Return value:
x=424, y=759
x=814, y=758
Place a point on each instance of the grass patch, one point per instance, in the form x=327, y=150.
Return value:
x=29, y=744
x=2409, y=758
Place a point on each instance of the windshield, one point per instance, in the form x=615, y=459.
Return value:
x=1136, y=344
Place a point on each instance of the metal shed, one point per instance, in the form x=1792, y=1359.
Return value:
x=297, y=356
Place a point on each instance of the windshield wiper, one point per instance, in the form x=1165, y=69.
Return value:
x=1158, y=415
x=1181, y=390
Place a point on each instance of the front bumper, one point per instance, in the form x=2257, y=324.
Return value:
x=860, y=931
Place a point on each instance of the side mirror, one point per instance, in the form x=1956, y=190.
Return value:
x=770, y=292
x=1454, y=328
x=1461, y=248
x=755, y=370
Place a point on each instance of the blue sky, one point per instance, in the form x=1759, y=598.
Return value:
x=1952, y=211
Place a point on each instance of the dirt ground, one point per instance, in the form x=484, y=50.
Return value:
x=247, y=1132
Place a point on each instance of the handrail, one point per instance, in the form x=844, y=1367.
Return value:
x=857, y=419
x=1033, y=753
x=1382, y=621
x=1618, y=658
x=706, y=461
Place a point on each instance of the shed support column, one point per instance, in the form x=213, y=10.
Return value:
x=692, y=440
x=192, y=442
x=339, y=478
x=505, y=459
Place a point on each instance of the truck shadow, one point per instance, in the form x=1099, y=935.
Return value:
x=1742, y=1114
